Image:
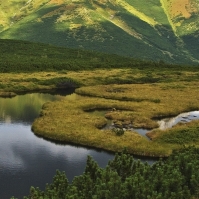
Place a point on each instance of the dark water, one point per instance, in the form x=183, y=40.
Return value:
x=25, y=159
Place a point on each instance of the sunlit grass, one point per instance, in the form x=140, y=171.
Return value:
x=140, y=103
x=180, y=14
x=95, y=25
x=155, y=12
x=139, y=14
x=13, y=11
x=171, y=79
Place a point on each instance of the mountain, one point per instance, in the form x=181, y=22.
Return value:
x=155, y=30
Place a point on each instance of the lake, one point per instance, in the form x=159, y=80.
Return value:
x=27, y=160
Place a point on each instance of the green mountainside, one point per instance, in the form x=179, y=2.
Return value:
x=154, y=30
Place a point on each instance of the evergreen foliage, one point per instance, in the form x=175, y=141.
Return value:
x=22, y=56
x=126, y=178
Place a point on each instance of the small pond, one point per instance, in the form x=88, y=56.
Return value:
x=25, y=159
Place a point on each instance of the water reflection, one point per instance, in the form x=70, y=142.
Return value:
x=27, y=160
x=183, y=118
x=141, y=131
x=24, y=108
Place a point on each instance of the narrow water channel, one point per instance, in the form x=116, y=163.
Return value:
x=181, y=118
x=25, y=159
x=164, y=123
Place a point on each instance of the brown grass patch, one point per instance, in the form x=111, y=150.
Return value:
x=182, y=8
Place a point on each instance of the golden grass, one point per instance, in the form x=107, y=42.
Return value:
x=56, y=2
x=178, y=13
x=179, y=7
x=149, y=100
x=13, y=81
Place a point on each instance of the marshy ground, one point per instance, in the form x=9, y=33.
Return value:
x=126, y=96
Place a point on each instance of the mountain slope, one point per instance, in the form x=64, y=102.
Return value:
x=127, y=27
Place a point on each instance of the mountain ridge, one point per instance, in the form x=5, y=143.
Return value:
x=155, y=30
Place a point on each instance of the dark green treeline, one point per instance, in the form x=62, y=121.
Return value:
x=23, y=56
x=126, y=178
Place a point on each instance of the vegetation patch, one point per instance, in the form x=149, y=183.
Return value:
x=60, y=82
x=26, y=81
